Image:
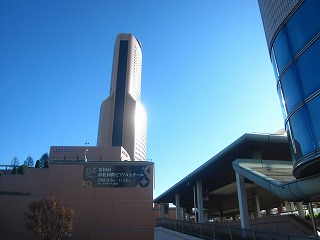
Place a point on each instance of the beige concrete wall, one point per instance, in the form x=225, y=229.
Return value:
x=100, y=212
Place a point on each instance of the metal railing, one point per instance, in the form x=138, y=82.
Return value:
x=215, y=232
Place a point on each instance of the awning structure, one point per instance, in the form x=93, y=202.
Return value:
x=219, y=181
x=276, y=177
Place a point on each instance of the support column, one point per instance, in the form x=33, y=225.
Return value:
x=199, y=201
x=242, y=199
x=257, y=202
x=292, y=206
x=205, y=217
x=184, y=217
x=188, y=217
x=195, y=204
x=177, y=198
x=312, y=219
x=162, y=210
x=220, y=215
x=300, y=209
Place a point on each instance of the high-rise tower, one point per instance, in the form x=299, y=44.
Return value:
x=292, y=29
x=123, y=120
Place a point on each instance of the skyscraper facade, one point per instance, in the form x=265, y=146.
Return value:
x=292, y=29
x=123, y=120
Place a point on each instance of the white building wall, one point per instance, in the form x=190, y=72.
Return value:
x=105, y=123
x=140, y=133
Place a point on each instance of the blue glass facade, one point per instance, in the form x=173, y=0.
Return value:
x=120, y=94
x=295, y=55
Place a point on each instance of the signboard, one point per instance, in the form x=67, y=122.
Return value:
x=111, y=175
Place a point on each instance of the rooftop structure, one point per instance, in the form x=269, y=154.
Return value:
x=88, y=154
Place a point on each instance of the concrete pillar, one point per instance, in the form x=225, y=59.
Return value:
x=300, y=209
x=257, y=203
x=292, y=206
x=195, y=203
x=177, y=198
x=242, y=199
x=188, y=217
x=312, y=219
x=205, y=217
x=221, y=215
x=162, y=210
x=199, y=201
x=184, y=215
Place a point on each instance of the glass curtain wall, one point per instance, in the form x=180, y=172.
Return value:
x=295, y=55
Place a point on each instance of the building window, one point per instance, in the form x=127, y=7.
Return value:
x=308, y=68
x=291, y=89
x=314, y=115
x=301, y=136
x=120, y=94
x=282, y=50
x=302, y=26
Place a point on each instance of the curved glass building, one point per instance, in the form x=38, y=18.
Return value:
x=292, y=29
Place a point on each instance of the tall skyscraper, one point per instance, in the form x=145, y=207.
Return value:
x=123, y=120
x=292, y=29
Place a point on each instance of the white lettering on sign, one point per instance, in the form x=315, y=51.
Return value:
x=63, y=149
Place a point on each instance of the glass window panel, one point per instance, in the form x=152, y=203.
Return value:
x=282, y=102
x=314, y=115
x=120, y=94
x=303, y=25
x=274, y=64
x=295, y=155
x=282, y=51
x=308, y=69
x=291, y=88
x=301, y=134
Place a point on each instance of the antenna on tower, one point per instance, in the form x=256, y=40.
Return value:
x=85, y=153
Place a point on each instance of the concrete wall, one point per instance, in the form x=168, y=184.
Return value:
x=100, y=212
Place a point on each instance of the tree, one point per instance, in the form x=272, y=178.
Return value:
x=46, y=164
x=29, y=161
x=14, y=170
x=43, y=159
x=22, y=169
x=15, y=161
x=49, y=218
x=37, y=164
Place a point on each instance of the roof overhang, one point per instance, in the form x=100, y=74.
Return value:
x=217, y=174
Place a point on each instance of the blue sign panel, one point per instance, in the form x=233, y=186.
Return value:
x=111, y=175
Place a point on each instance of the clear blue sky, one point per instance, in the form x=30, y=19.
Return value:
x=206, y=78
